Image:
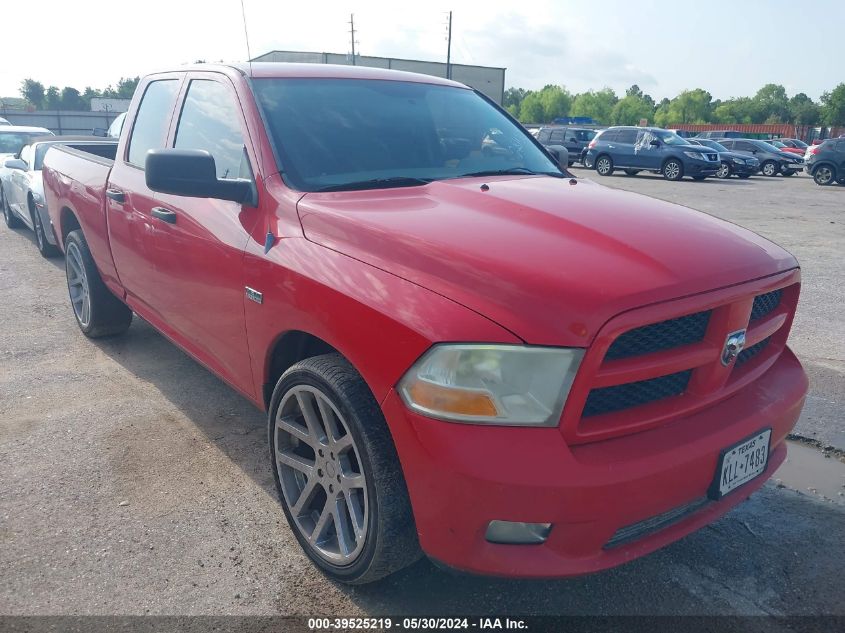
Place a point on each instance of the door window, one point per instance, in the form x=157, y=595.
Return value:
x=210, y=120
x=557, y=136
x=627, y=136
x=152, y=120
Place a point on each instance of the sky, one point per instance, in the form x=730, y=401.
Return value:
x=728, y=48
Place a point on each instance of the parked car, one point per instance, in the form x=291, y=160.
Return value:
x=719, y=134
x=635, y=149
x=22, y=190
x=786, y=148
x=574, y=139
x=684, y=133
x=113, y=131
x=14, y=137
x=826, y=162
x=471, y=355
x=794, y=143
x=772, y=160
x=731, y=163
x=4, y=121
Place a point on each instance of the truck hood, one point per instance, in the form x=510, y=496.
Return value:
x=549, y=259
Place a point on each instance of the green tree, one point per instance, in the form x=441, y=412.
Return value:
x=88, y=95
x=803, y=110
x=771, y=104
x=33, y=92
x=597, y=105
x=71, y=99
x=630, y=109
x=124, y=89
x=833, y=106
x=691, y=106
x=739, y=110
x=531, y=109
x=556, y=101
x=514, y=96
x=53, y=99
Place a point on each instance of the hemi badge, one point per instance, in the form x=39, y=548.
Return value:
x=254, y=295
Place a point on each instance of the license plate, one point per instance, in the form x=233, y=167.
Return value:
x=740, y=463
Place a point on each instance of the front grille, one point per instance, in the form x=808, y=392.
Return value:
x=747, y=354
x=764, y=304
x=657, y=337
x=653, y=524
x=712, y=157
x=633, y=394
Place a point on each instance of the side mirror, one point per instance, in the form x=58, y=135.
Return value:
x=560, y=155
x=655, y=143
x=192, y=173
x=15, y=163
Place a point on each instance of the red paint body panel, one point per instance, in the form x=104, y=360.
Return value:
x=383, y=275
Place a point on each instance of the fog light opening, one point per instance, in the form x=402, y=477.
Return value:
x=517, y=533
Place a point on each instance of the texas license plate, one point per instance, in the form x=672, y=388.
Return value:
x=741, y=463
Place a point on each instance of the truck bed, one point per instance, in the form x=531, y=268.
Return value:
x=75, y=180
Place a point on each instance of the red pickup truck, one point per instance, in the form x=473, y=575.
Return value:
x=462, y=350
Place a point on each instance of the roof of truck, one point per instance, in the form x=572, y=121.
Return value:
x=261, y=70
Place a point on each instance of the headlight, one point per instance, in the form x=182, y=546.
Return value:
x=695, y=155
x=492, y=384
x=738, y=161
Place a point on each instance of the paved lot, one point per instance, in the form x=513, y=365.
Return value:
x=134, y=482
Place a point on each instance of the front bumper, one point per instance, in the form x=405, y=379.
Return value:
x=791, y=167
x=700, y=168
x=745, y=168
x=460, y=477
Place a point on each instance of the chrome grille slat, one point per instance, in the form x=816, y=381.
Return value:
x=654, y=524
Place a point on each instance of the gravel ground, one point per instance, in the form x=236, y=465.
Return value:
x=135, y=482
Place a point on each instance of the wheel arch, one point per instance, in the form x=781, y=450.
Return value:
x=289, y=348
x=68, y=222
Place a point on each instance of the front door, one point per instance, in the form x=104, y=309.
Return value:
x=201, y=241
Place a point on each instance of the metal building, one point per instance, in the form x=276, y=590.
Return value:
x=486, y=79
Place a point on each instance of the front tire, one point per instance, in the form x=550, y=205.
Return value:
x=604, y=165
x=46, y=249
x=724, y=171
x=9, y=216
x=98, y=312
x=824, y=175
x=337, y=472
x=673, y=169
x=770, y=169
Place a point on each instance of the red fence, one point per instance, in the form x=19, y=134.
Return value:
x=781, y=130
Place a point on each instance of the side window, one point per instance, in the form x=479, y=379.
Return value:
x=727, y=144
x=544, y=135
x=608, y=136
x=626, y=136
x=210, y=120
x=742, y=146
x=152, y=120
x=557, y=136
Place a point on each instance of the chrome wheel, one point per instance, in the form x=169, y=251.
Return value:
x=77, y=284
x=321, y=476
x=603, y=166
x=770, y=169
x=823, y=175
x=724, y=171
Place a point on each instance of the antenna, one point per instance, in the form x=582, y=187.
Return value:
x=352, y=34
x=246, y=37
x=449, y=50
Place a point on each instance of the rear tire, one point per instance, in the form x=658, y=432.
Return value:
x=632, y=172
x=46, y=249
x=9, y=216
x=98, y=312
x=604, y=165
x=332, y=452
x=770, y=169
x=673, y=169
x=824, y=175
x=788, y=172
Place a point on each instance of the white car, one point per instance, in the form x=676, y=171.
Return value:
x=22, y=189
x=4, y=121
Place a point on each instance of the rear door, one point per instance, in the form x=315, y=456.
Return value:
x=129, y=202
x=201, y=241
x=623, y=153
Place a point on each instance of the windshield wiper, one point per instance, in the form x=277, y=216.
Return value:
x=377, y=183
x=513, y=171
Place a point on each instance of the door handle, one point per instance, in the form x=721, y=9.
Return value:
x=165, y=215
x=116, y=194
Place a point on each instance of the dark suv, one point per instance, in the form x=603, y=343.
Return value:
x=772, y=160
x=826, y=162
x=574, y=139
x=636, y=149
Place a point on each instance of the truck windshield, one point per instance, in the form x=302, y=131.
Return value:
x=336, y=134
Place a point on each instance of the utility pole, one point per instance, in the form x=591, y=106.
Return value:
x=449, y=50
x=352, y=33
